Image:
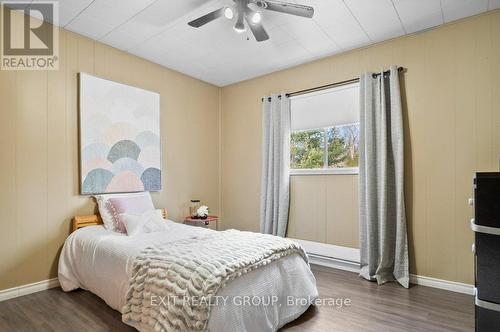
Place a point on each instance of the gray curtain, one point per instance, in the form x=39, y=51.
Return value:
x=275, y=185
x=383, y=238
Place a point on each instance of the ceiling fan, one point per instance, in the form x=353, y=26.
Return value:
x=250, y=11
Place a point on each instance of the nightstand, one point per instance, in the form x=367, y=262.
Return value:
x=212, y=222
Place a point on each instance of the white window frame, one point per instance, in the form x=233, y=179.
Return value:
x=325, y=170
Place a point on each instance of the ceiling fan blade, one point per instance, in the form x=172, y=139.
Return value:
x=287, y=8
x=200, y=21
x=257, y=29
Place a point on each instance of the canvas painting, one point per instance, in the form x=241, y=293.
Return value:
x=120, y=148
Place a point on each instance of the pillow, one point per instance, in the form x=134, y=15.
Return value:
x=109, y=212
x=148, y=222
x=128, y=205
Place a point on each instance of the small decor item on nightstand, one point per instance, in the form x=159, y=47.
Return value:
x=193, y=208
x=202, y=212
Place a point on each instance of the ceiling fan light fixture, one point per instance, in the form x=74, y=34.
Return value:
x=251, y=11
x=228, y=13
x=239, y=29
x=256, y=18
x=239, y=25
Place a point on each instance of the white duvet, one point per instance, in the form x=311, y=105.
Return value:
x=100, y=261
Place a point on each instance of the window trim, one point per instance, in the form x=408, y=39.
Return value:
x=324, y=171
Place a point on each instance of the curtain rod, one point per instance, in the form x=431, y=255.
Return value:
x=332, y=85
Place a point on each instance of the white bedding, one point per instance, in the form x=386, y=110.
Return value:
x=100, y=261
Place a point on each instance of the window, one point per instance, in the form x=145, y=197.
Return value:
x=325, y=131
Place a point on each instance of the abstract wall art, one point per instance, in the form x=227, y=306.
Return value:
x=120, y=148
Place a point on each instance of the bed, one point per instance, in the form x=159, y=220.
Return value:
x=101, y=261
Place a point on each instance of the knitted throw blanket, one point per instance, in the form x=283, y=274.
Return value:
x=165, y=278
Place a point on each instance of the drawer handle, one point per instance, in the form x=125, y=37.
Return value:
x=487, y=305
x=484, y=229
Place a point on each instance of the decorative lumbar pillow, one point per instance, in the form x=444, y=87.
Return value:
x=122, y=203
x=128, y=205
x=104, y=211
x=148, y=222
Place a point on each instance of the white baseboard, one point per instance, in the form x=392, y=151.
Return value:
x=28, y=289
x=452, y=286
x=347, y=259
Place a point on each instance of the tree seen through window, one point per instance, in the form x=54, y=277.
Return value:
x=307, y=148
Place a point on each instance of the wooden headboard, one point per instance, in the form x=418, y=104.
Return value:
x=95, y=219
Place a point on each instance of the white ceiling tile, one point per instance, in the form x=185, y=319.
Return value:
x=493, y=4
x=69, y=9
x=283, y=54
x=310, y=36
x=336, y=20
x=419, y=15
x=124, y=41
x=157, y=30
x=102, y=16
x=378, y=18
x=153, y=20
x=153, y=48
x=457, y=9
x=278, y=34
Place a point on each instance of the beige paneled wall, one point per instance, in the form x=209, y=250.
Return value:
x=452, y=128
x=324, y=208
x=39, y=181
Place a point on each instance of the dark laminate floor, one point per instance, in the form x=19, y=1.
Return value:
x=373, y=308
x=384, y=308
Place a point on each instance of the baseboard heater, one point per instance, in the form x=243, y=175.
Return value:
x=333, y=262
